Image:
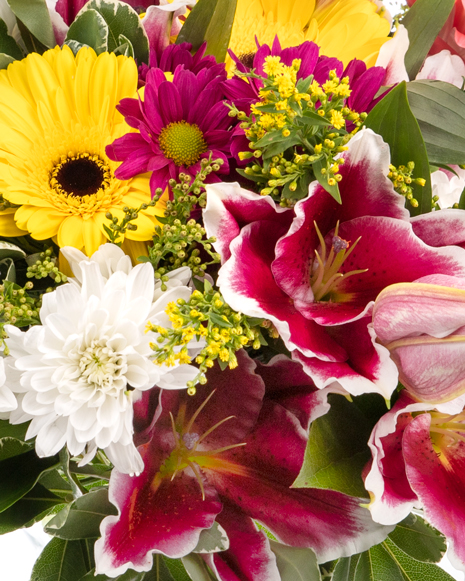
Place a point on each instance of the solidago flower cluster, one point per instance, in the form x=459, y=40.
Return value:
x=205, y=316
x=402, y=180
x=296, y=131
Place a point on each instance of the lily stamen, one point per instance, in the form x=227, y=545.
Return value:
x=185, y=451
x=210, y=430
x=198, y=477
x=326, y=276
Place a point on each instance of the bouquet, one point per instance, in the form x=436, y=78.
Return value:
x=232, y=310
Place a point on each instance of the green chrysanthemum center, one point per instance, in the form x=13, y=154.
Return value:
x=182, y=142
x=80, y=175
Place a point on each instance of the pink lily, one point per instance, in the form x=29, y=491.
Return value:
x=313, y=272
x=423, y=326
x=231, y=455
x=418, y=452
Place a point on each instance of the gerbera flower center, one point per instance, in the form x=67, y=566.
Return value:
x=80, y=175
x=326, y=277
x=182, y=142
x=100, y=366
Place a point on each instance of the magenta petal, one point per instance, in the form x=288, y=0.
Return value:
x=229, y=207
x=439, y=481
x=432, y=369
x=248, y=285
x=392, y=497
x=208, y=98
x=444, y=228
x=151, y=109
x=330, y=523
x=124, y=146
x=170, y=103
x=367, y=368
x=130, y=108
x=412, y=309
x=160, y=178
x=423, y=326
x=237, y=392
x=135, y=163
x=249, y=557
x=188, y=87
x=157, y=162
x=149, y=515
x=288, y=384
x=157, y=25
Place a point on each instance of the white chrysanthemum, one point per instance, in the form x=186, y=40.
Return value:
x=90, y=359
x=8, y=378
x=448, y=187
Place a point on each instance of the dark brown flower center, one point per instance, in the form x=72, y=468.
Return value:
x=80, y=175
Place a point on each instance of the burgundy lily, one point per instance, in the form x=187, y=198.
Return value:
x=423, y=326
x=418, y=454
x=231, y=456
x=315, y=271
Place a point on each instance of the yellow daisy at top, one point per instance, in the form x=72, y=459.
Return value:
x=57, y=114
x=345, y=29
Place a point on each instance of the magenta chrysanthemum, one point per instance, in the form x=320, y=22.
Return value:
x=179, y=123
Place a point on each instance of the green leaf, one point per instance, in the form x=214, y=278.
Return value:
x=28, y=510
x=212, y=540
x=423, y=21
x=333, y=190
x=394, y=121
x=30, y=41
x=10, y=447
x=295, y=564
x=89, y=28
x=125, y=48
x=5, y=60
x=13, y=431
x=210, y=21
x=56, y=484
x=63, y=560
x=122, y=20
x=8, y=250
x=310, y=118
x=336, y=450
x=8, y=44
x=440, y=111
x=96, y=470
x=176, y=569
x=75, y=46
x=8, y=270
x=419, y=540
x=162, y=571
x=19, y=474
x=196, y=568
x=218, y=320
x=413, y=570
x=345, y=569
x=81, y=519
x=35, y=16
x=387, y=562
x=280, y=146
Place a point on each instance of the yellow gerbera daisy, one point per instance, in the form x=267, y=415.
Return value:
x=57, y=114
x=345, y=29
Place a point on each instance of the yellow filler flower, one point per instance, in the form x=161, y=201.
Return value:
x=57, y=114
x=345, y=29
